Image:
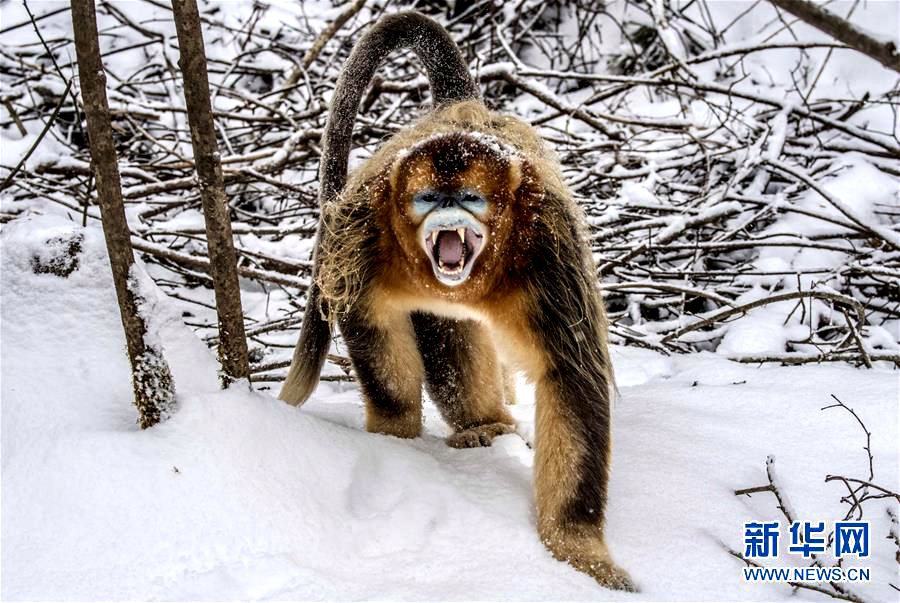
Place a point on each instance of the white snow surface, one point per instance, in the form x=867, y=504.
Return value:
x=240, y=496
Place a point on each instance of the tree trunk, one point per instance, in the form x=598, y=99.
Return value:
x=223, y=261
x=154, y=392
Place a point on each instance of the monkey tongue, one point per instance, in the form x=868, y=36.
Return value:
x=449, y=248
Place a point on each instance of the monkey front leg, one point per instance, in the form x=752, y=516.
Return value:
x=389, y=369
x=572, y=465
x=463, y=378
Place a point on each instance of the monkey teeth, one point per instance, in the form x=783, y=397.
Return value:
x=451, y=271
x=456, y=265
x=453, y=250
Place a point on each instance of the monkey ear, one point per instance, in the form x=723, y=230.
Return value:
x=516, y=172
x=393, y=174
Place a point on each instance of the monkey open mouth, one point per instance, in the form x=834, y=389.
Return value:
x=453, y=249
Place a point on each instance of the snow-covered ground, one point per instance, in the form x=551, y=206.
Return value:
x=239, y=496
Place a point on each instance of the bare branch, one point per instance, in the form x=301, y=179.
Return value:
x=840, y=29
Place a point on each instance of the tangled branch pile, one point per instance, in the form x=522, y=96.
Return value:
x=739, y=169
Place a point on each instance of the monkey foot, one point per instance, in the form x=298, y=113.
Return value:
x=480, y=435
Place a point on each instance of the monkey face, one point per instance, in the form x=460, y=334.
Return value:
x=450, y=192
x=451, y=233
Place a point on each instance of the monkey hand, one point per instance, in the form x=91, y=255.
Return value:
x=589, y=554
x=479, y=435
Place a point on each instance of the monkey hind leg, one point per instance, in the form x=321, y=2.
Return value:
x=464, y=378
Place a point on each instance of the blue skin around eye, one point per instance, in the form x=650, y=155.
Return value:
x=474, y=203
x=425, y=202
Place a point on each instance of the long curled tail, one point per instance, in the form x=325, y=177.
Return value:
x=449, y=79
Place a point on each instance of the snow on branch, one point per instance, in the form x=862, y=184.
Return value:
x=885, y=52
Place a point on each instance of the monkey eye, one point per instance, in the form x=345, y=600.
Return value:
x=473, y=202
x=429, y=197
x=424, y=202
